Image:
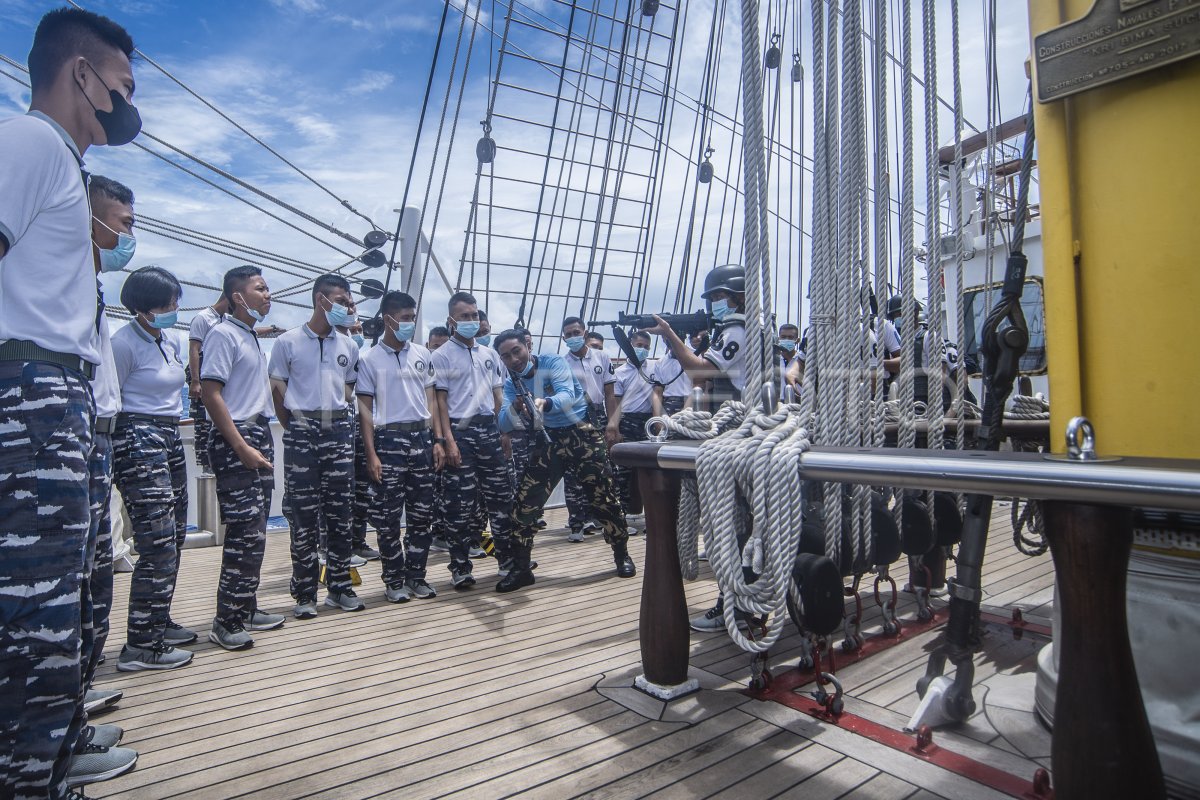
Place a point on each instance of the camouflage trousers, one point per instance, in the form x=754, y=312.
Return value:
x=579, y=512
x=362, y=492
x=406, y=490
x=318, y=488
x=244, y=496
x=633, y=429
x=438, y=526
x=485, y=471
x=46, y=423
x=150, y=470
x=201, y=430
x=673, y=405
x=99, y=554
x=579, y=451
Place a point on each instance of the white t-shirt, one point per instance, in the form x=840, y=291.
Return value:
x=48, y=288
x=594, y=371
x=202, y=323
x=728, y=354
x=633, y=389
x=670, y=372
x=233, y=356
x=105, y=387
x=397, y=380
x=316, y=370
x=468, y=375
x=150, y=372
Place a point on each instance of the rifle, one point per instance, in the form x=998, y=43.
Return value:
x=530, y=414
x=683, y=324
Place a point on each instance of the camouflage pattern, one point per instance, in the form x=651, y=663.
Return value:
x=318, y=458
x=46, y=422
x=579, y=451
x=633, y=429
x=150, y=470
x=362, y=491
x=673, y=405
x=578, y=509
x=201, y=430
x=99, y=557
x=244, y=496
x=406, y=489
x=484, y=470
x=438, y=527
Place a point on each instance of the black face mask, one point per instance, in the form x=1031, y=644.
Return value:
x=123, y=123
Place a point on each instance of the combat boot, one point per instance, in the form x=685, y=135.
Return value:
x=520, y=574
x=625, y=567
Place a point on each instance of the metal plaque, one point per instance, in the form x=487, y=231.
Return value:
x=1117, y=39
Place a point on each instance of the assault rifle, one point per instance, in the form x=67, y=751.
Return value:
x=683, y=324
x=531, y=416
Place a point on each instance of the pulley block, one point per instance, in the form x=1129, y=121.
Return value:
x=947, y=519
x=916, y=532
x=820, y=592
x=485, y=149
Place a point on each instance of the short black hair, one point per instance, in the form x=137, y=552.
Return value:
x=66, y=33
x=396, y=301
x=639, y=335
x=594, y=335
x=236, y=278
x=462, y=297
x=100, y=186
x=483, y=316
x=440, y=330
x=511, y=334
x=330, y=280
x=787, y=326
x=149, y=288
x=572, y=321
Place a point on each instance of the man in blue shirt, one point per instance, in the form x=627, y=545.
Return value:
x=543, y=392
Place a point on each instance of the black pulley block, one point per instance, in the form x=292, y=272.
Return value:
x=705, y=173
x=774, y=57
x=485, y=150
x=820, y=585
x=916, y=534
x=887, y=533
x=949, y=522
x=375, y=239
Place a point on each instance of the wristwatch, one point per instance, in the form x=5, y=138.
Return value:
x=439, y=440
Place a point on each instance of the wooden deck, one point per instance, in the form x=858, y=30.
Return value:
x=483, y=695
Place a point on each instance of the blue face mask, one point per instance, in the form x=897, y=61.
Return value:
x=359, y=340
x=163, y=321
x=721, y=310
x=641, y=352
x=467, y=329
x=339, y=317
x=484, y=340
x=119, y=257
x=525, y=373
x=405, y=330
x=255, y=314
x=788, y=344
x=574, y=343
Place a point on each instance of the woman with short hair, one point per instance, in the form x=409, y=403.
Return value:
x=149, y=466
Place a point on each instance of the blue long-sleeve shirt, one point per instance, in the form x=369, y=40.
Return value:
x=551, y=378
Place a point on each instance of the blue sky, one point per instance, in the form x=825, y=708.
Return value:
x=335, y=86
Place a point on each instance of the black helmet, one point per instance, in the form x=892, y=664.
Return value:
x=894, y=306
x=730, y=278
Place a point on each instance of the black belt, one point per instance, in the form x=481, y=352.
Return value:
x=21, y=350
x=420, y=425
x=157, y=419
x=340, y=413
x=106, y=424
x=478, y=419
x=258, y=419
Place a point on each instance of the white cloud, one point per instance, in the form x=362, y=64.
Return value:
x=372, y=80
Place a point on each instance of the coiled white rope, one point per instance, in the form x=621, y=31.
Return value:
x=1023, y=406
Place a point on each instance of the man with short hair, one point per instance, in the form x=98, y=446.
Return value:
x=595, y=340
x=81, y=85
x=542, y=390
x=403, y=444
x=199, y=327
x=468, y=399
x=237, y=394
x=627, y=423
x=672, y=386
x=786, y=351
x=438, y=336
x=312, y=370
x=594, y=371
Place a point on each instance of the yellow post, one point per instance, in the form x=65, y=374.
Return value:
x=1119, y=171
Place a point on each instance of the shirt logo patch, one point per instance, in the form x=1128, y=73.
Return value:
x=489, y=364
x=597, y=369
x=343, y=361
x=419, y=366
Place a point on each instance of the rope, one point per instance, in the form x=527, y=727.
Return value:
x=960, y=316
x=1028, y=407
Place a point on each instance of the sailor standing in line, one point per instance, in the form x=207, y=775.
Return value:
x=594, y=371
x=360, y=551
x=237, y=395
x=468, y=398
x=628, y=421
x=543, y=391
x=199, y=327
x=672, y=386
x=150, y=467
x=313, y=369
x=403, y=444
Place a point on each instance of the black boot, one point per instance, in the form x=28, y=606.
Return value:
x=625, y=567
x=519, y=574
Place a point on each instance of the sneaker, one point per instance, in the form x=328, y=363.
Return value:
x=176, y=634
x=346, y=601
x=591, y=528
x=632, y=530
x=231, y=636
x=420, y=589
x=105, y=735
x=439, y=544
x=477, y=552
x=366, y=553
x=401, y=594
x=357, y=561
x=711, y=620
x=98, y=763
x=99, y=699
x=123, y=564
x=305, y=609
x=159, y=655
x=575, y=536
x=462, y=580
x=262, y=621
